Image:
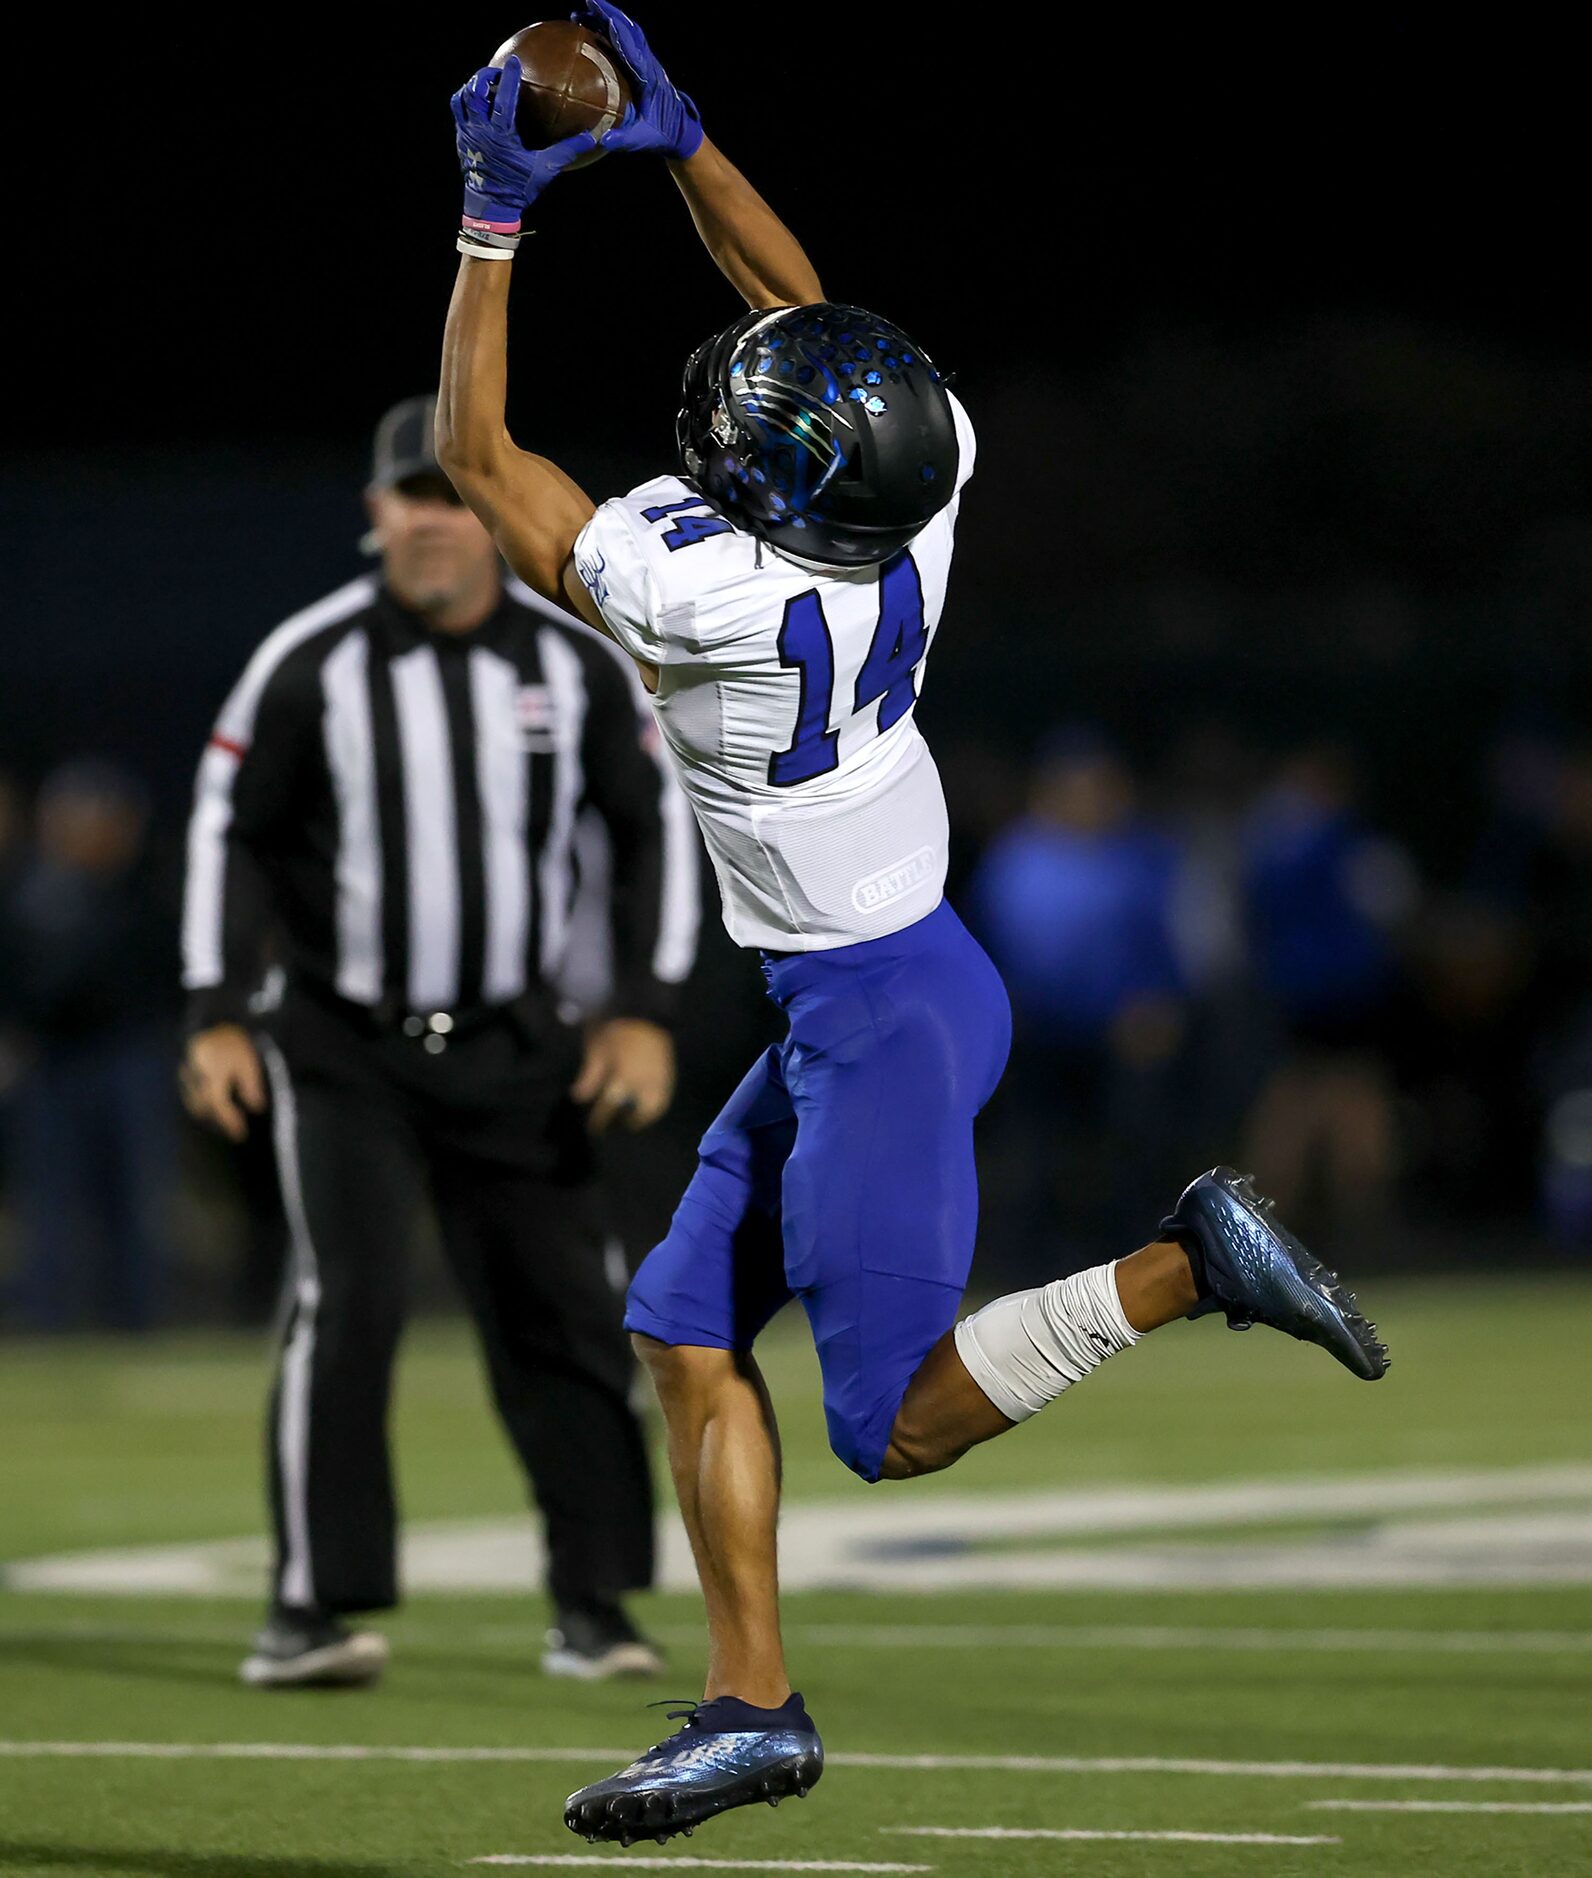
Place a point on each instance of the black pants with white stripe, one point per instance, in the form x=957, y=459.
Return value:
x=366, y=1124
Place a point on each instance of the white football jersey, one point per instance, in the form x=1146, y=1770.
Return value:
x=786, y=698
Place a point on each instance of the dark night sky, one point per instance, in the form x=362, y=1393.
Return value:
x=1274, y=335
x=1270, y=320
x=275, y=259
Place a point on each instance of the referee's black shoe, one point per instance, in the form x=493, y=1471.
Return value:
x=308, y=1649
x=596, y=1641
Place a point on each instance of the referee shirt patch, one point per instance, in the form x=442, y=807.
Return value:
x=544, y=720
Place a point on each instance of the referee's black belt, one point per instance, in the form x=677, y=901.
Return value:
x=432, y=1030
x=435, y=1030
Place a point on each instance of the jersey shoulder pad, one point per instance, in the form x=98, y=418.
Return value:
x=654, y=559
x=966, y=442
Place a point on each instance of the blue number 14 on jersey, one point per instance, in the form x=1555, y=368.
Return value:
x=787, y=696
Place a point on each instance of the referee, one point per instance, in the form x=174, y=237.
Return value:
x=387, y=811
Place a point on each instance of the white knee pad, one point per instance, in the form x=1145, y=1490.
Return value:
x=1024, y=1349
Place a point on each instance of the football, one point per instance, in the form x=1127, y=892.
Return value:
x=570, y=81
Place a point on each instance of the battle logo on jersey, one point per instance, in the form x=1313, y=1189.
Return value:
x=894, y=882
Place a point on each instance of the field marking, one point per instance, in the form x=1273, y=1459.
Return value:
x=1079, y=1832
x=900, y=1763
x=1162, y=1637
x=588, y=1860
x=1245, y=1770
x=296, y=1751
x=917, y=1637
x=1511, y=1525
x=1450, y=1806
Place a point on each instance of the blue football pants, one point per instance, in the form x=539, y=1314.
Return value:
x=841, y=1172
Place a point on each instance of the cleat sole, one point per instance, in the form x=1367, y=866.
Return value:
x=626, y=1818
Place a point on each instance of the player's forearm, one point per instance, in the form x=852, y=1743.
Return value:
x=471, y=433
x=753, y=248
x=529, y=506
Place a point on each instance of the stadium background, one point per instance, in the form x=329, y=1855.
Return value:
x=1280, y=373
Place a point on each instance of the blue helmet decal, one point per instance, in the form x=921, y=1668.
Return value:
x=824, y=419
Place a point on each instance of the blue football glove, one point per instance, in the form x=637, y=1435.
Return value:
x=664, y=118
x=501, y=177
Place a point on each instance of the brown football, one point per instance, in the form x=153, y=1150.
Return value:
x=570, y=80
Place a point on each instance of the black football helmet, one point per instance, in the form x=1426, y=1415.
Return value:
x=822, y=429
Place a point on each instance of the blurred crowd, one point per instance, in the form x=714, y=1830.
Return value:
x=1231, y=956
x=1226, y=953
x=87, y=942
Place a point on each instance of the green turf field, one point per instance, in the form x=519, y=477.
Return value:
x=1052, y=1708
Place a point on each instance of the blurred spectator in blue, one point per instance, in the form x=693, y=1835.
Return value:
x=1552, y=877
x=1328, y=897
x=1074, y=904
x=1205, y=789
x=90, y=939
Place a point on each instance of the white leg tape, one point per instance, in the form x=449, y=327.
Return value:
x=1024, y=1349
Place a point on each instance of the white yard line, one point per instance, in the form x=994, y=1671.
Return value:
x=1449, y=1806
x=920, y=1637
x=1057, y=1832
x=1163, y=1637
x=591, y=1860
x=293, y=1751
x=1245, y=1770
x=1508, y=1525
x=903, y=1763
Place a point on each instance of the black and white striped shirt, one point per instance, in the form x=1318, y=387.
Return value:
x=393, y=811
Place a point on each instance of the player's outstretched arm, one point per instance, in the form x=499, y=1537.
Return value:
x=756, y=253
x=759, y=256
x=532, y=509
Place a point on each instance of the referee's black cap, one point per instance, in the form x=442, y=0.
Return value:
x=404, y=445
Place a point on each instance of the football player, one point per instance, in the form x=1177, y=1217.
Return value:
x=780, y=590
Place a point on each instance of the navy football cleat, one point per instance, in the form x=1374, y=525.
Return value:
x=1256, y=1272
x=726, y=1755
